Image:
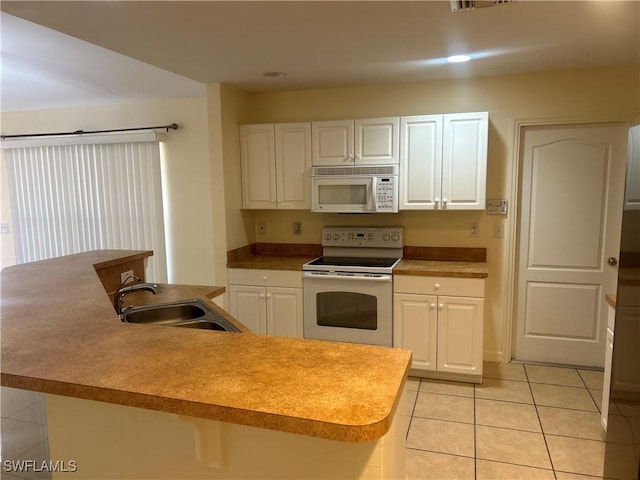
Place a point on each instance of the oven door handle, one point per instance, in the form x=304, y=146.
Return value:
x=335, y=276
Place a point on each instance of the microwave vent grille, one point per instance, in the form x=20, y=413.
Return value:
x=355, y=170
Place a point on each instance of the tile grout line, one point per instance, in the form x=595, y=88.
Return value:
x=535, y=405
x=475, y=437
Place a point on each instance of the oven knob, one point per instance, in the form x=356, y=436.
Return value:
x=336, y=236
x=395, y=237
x=386, y=237
x=327, y=236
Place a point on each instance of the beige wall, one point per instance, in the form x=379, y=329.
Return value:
x=187, y=167
x=585, y=95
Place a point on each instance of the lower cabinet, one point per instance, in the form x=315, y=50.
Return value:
x=267, y=301
x=441, y=320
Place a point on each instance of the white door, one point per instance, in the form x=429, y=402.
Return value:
x=464, y=161
x=415, y=327
x=247, y=304
x=460, y=334
x=257, y=158
x=376, y=141
x=571, y=196
x=284, y=311
x=293, y=161
x=332, y=142
x=420, y=161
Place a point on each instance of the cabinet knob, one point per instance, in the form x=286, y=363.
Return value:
x=436, y=204
x=264, y=278
x=432, y=306
x=436, y=287
x=441, y=307
x=444, y=203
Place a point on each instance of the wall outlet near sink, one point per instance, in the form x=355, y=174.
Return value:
x=262, y=228
x=297, y=228
x=127, y=277
x=474, y=229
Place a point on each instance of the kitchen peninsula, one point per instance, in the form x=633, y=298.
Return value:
x=123, y=400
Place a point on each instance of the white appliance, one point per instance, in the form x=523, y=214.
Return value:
x=355, y=189
x=348, y=292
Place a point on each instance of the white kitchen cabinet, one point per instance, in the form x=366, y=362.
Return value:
x=443, y=161
x=275, y=161
x=371, y=141
x=441, y=320
x=608, y=357
x=267, y=301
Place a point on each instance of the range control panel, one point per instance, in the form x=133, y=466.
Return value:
x=371, y=237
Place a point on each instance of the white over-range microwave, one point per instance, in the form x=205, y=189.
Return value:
x=355, y=189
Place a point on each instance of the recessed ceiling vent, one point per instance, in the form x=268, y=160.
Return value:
x=457, y=5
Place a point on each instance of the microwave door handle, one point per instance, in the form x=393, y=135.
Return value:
x=374, y=193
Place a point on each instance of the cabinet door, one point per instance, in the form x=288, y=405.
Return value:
x=332, y=142
x=247, y=304
x=376, y=141
x=464, y=161
x=460, y=334
x=420, y=162
x=415, y=328
x=257, y=157
x=284, y=312
x=606, y=384
x=293, y=161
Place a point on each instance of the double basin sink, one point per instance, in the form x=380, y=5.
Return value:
x=187, y=314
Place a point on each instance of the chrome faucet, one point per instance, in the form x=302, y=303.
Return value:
x=118, y=298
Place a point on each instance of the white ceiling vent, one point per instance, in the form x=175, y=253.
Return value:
x=473, y=4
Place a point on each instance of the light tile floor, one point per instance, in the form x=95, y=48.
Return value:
x=23, y=434
x=523, y=422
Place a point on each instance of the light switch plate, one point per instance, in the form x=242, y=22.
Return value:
x=497, y=207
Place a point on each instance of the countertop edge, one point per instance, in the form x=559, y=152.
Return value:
x=370, y=429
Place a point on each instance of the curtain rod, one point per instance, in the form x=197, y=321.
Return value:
x=173, y=126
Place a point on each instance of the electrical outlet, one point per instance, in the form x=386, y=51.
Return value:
x=297, y=228
x=474, y=229
x=262, y=228
x=4, y=228
x=498, y=230
x=126, y=277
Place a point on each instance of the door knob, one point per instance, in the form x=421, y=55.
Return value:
x=613, y=261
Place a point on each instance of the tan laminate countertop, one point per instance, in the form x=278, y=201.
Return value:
x=61, y=335
x=440, y=268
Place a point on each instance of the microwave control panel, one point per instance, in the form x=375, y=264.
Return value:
x=386, y=199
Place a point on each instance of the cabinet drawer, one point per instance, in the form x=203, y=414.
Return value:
x=457, y=287
x=271, y=278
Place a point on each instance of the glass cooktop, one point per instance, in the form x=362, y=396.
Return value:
x=346, y=262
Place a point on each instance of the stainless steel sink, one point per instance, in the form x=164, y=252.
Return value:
x=187, y=314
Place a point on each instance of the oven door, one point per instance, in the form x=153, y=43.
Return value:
x=342, y=194
x=348, y=307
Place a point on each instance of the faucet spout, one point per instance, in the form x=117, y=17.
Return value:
x=118, y=299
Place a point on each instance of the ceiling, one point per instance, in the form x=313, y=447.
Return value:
x=153, y=49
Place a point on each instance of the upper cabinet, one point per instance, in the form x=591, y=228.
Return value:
x=443, y=161
x=372, y=141
x=275, y=162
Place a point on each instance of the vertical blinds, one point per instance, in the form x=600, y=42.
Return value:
x=74, y=198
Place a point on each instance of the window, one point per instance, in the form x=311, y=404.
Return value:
x=68, y=199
